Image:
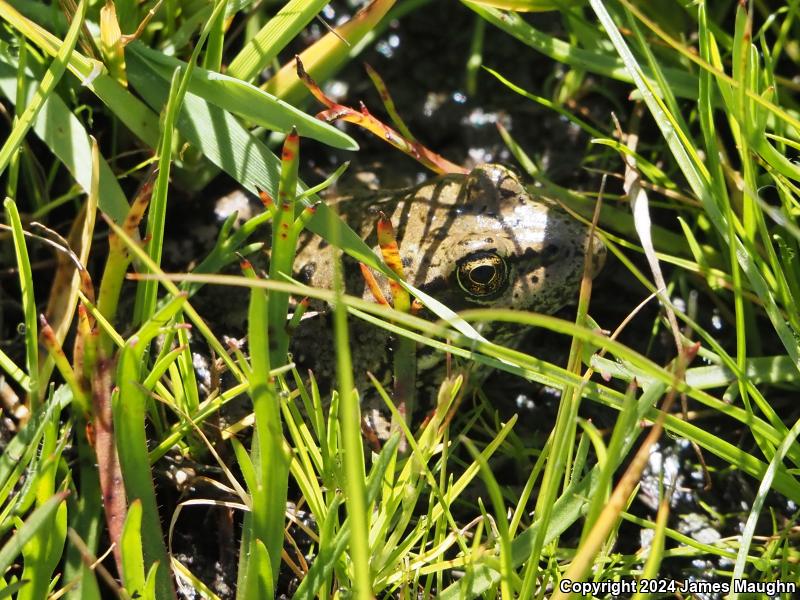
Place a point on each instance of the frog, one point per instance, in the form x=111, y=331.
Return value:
x=470, y=240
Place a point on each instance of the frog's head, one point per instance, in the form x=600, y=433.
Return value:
x=507, y=248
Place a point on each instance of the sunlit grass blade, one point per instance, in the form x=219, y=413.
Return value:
x=146, y=293
x=129, y=406
x=39, y=518
x=129, y=109
x=42, y=553
x=66, y=137
x=111, y=43
x=354, y=469
x=328, y=54
x=48, y=84
x=763, y=490
x=235, y=96
x=263, y=536
x=531, y=5
x=697, y=176
x=133, y=575
x=28, y=300
x=264, y=46
x=284, y=242
x=682, y=83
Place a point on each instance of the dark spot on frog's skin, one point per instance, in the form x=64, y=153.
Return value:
x=550, y=254
x=323, y=244
x=307, y=272
x=534, y=279
x=433, y=286
x=529, y=255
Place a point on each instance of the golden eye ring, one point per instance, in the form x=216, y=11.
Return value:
x=482, y=274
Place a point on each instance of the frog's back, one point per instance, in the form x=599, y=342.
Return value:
x=469, y=240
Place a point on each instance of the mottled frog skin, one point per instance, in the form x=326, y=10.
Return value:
x=475, y=240
x=470, y=241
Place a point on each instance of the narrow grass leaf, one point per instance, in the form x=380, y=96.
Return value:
x=66, y=137
x=682, y=83
x=698, y=178
x=758, y=503
x=328, y=54
x=354, y=469
x=269, y=456
x=129, y=406
x=48, y=84
x=284, y=246
x=146, y=291
x=264, y=46
x=240, y=98
x=28, y=300
x=39, y=518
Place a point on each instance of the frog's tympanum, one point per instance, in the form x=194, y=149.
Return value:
x=475, y=240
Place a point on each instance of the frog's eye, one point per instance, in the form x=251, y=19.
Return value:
x=482, y=274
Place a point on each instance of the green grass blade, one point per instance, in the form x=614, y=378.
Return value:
x=273, y=37
x=758, y=503
x=284, y=245
x=66, y=137
x=48, y=84
x=269, y=456
x=147, y=291
x=354, y=470
x=240, y=98
x=32, y=526
x=698, y=178
x=682, y=83
x=28, y=300
x=129, y=406
x=133, y=577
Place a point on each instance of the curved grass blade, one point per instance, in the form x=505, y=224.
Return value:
x=28, y=300
x=66, y=137
x=238, y=97
x=39, y=518
x=681, y=83
x=48, y=84
x=328, y=54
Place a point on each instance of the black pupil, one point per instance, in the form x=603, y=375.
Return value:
x=482, y=274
